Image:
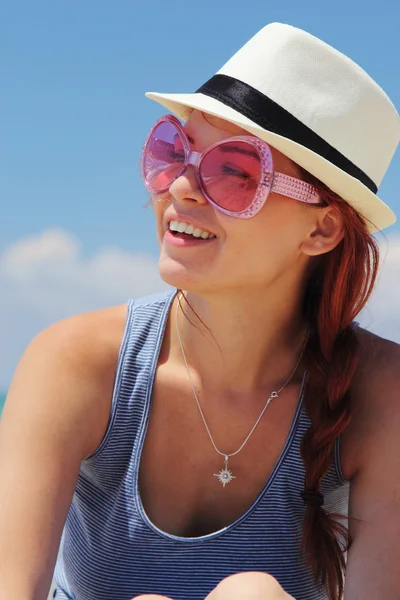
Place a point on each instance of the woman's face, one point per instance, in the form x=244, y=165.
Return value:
x=249, y=253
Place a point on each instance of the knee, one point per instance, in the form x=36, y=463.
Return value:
x=150, y=597
x=251, y=585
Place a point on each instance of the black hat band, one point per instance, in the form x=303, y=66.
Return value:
x=269, y=115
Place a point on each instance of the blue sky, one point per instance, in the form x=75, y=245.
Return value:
x=74, y=118
x=73, y=106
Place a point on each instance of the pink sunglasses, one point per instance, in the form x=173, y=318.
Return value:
x=236, y=175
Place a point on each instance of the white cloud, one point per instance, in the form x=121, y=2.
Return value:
x=382, y=313
x=45, y=278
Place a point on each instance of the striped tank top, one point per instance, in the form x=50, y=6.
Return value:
x=110, y=550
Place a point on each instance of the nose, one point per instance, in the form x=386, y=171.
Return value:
x=187, y=187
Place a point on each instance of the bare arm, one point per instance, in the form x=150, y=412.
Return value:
x=374, y=559
x=55, y=415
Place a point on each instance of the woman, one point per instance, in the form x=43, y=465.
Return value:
x=199, y=457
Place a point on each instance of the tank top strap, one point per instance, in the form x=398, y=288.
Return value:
x=137, y=361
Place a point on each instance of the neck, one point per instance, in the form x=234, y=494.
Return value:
x=248, y=342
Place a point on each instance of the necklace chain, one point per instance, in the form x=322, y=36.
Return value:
x=225, y=476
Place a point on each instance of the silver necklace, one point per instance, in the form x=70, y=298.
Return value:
x=225, y=475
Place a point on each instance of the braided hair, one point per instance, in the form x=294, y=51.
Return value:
x=337, y=291
x=338, y=288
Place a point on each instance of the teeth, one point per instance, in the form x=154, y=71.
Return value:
x=183, y=227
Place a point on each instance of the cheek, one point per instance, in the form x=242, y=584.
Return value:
x=270, y=240
x=283, y=219
x=159, y=205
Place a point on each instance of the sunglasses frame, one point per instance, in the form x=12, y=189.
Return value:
x=270, y=180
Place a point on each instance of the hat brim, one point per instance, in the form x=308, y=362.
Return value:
x=377, y=214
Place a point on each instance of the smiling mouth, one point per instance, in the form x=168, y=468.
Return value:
x=189, y=237
x=187, y=230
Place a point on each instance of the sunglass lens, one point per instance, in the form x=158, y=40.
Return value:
x=163, y=157
x=230, y=174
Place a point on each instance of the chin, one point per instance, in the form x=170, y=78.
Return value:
x=181, y=277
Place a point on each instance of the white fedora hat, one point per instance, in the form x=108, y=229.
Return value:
x=313, y=104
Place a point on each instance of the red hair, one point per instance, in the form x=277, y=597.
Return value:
x=337, y=289
x=336, y=292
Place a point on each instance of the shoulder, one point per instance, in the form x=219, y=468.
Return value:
x=87, y=342
x=372, y=452
x=93, y=337
x=374, y=397
x=378, y=371
x=96, y=335
x=65, y=378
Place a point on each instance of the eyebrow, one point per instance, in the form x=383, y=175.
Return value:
x=227, y=148
x=189, y=137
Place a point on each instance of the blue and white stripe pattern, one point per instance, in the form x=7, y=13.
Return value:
x=109, y=548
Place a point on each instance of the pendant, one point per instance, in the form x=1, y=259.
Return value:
x=225, y=475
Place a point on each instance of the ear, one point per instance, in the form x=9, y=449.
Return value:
x=325, y=233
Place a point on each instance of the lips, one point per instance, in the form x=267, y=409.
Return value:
x=182, y=240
